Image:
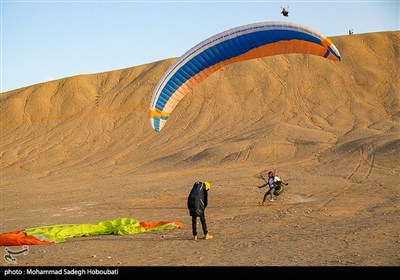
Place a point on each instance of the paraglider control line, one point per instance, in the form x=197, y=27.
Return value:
x=266, y=182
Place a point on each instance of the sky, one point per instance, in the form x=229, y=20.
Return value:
x=49, y=40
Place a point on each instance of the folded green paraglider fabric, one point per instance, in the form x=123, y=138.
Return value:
x=59, y=233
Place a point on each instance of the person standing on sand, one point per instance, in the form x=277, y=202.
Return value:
x=197, y=203
x=272, y=182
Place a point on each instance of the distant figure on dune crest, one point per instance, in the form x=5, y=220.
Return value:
x=197, y=203
x=285, y=12
x=275, y=187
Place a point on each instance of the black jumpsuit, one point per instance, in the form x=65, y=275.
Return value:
x=197, y=203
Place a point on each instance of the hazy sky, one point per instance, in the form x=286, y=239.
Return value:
x=48, y=40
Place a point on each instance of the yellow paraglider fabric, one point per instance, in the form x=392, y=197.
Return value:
x=59, y=233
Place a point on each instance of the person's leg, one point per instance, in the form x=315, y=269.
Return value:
x=203, y=223
x=271, y=193
x=204, y=226
x=262, y=203
x=265, y=196
x=194, y=227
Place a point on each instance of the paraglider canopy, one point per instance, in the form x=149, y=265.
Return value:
x=285, y=12
x=237, y=44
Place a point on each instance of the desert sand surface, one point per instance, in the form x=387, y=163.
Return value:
x=82, y=150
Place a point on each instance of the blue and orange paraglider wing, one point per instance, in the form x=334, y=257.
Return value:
x=234, y=45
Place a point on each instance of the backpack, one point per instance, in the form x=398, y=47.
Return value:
x=278, y=186
x=197, y=199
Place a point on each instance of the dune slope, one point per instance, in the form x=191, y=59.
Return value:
x=81, y=149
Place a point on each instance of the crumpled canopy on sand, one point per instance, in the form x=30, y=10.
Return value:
x=59, y=233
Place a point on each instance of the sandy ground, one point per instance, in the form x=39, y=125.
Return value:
x=82, y=150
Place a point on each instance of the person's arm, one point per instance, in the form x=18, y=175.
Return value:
x=283, y=182
x=262, y=186
x=205, y=198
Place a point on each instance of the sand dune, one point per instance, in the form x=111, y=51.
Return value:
x=81, y=149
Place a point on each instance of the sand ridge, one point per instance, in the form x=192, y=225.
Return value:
x=81, y=150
